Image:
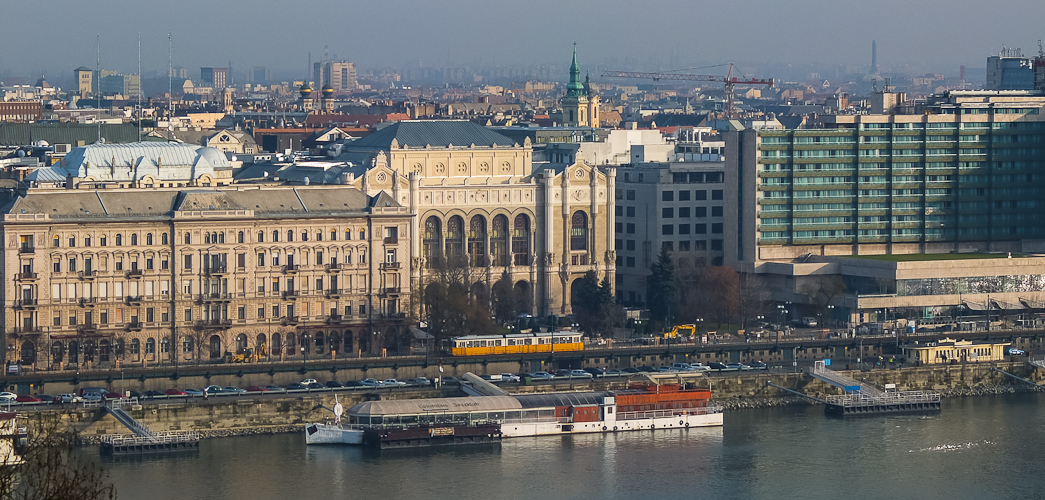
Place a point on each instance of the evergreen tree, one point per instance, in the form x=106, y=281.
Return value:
x=660, y=289
x=593, y=306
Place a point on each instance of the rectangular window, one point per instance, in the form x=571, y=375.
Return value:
x=716, y=244
x=629, y=244
x=72, y=265
x=684, y=195
x=57, y=266
x=683, y=228
x=683, y=212
x=261, y=259
x=241, y=312
x=618, y=227
x=150, y=314
x=716, y=194
x=700, y=211
x=630, y=261
x=187, y=265
x=275, y=259
x=716, y=228
x=618, y=244
x=700, y=194
x=261, y=311
x=163, y=264
x=716, y=211
x=631, y=211
x=684, y=246
x=700, y=229
x=630, y=194
x=667, y=229
x=668, y=245
x=667, y=213
x=362, y=309
x=630, y=228
x=619, y=211
x=275, y=311
x=148, y=263
x=667, y=196
x=241, y=260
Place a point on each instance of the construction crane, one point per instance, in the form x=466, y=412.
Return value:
x=729, y=80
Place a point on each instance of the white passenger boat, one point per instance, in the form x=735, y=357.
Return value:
x=334, y=432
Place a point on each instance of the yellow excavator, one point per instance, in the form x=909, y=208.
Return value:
x=244, y=357
x=681, y=331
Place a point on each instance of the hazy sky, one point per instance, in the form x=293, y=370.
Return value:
x=37, y=35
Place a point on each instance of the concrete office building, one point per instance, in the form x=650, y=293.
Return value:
x=965, y=178
x=217, y=78
x=675, y=206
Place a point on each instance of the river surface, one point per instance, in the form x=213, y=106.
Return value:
x=986, y=447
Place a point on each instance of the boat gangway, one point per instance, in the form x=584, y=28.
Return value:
x=865, y=399
x=143, y=440
x=475, y=386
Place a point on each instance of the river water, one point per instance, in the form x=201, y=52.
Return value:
x=986, y=447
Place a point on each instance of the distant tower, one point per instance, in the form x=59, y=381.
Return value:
x=575, y=103
x=328, y=98
x=874, y=57
x=306, y=96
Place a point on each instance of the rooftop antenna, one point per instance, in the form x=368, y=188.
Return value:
x=170, y=88
x=140, y=86
x=98, y=84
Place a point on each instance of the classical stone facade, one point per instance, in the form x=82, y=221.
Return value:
x=184, y=275
x=475, y=193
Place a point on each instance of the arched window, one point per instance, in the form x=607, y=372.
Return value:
x=499, y=241
x=188, y=238
x=239, y=237
x=186, y=345
x=290, y=235
x=56, y=242
x=521, y=240
x=206, y=238
x=304, y=235
x=221, y=237
x=163, y=238
x=319, y=235
x=261, y=236
x=150, y=346
x=148, y=239
x=362, y=234
x=134, y=240
x=348, y=234
x=349, y=348
x=454, y=237
x=241, y=343
x=333, y=235
x=119, y=240
x=579, y=231
x=165, y=345
x=136, y=347
x=477, y=241
x=432, y=241
x=320, y=342
x=275, y=236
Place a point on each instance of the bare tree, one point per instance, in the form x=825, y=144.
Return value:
x=823, y=291
x=54, y=470
x=753, y=298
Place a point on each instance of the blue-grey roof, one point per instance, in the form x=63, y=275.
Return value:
x=436, y=133
x=20, y=134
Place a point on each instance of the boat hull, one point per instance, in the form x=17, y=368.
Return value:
x=332, y=434
x=523, y=429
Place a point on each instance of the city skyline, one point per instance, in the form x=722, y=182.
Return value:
x=473, y=34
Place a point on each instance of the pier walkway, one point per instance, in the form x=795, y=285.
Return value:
x=865, y=399
x=144, y=440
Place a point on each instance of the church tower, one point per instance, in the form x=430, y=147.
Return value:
x=575, y=103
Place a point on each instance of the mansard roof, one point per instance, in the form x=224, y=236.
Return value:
x=435, y=133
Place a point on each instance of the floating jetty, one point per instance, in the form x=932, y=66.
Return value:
x=865, y=399
x=142, y=440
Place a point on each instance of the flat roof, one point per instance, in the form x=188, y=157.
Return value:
x=918, y=257
x=437, y=405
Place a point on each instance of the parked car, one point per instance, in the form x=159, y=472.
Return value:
x=194, y=393
x=67, y=398
x=491, y=378
x=274, y=388
x=134, y=394
x=296, y=387
x=254, y=388
x=370, y=382
x=7, y=397
x=450, y=381
x=758, y=365
x=315, y=385
x=111, y=395
x=737, y=366
x=541, y=376
x=683, y=367
x=580, y=374
x=334, y=384
x=510, y=377
x=419, y=382
x=391, y=382
x=309, y=381
x=699, y=367
x=234, y=390
x=1016, y=352
x=664, y=369
x=595, y=372
x=151, y=394
x=96, y=390
x=25, y=398
x=353, y=384
x=213, y=390
x=562, y=373
x=169, y=392
x=718, y=367
x=92, y=396
x=614, y=372
x=647, y=369
x=631, y=370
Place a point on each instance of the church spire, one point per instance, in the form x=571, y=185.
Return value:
x=575, y=88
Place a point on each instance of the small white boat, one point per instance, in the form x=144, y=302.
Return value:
x=333, y=433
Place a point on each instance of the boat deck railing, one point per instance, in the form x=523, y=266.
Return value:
x=637, y=415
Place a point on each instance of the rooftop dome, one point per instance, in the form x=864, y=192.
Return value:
x=327, y=90
x=306, y=90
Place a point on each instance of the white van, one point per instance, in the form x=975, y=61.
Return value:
x=809, y=321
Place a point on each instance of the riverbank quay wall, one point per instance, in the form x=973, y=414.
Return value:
x=786, y=352
x=221, y=417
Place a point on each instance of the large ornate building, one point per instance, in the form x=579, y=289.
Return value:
x=142, y=253
x=475, y=193
x=580, y=106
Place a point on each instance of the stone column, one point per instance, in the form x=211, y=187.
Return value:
x=611, y=224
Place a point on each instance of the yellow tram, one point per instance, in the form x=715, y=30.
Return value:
x=517, y=343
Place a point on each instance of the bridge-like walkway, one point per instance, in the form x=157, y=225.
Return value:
x=144, y=440
x=863, y=399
